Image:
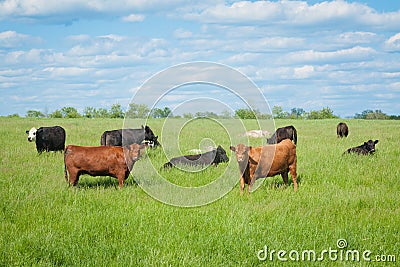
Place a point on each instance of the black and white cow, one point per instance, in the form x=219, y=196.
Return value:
x=47, y=138
x=215, y=156
x=126, y=137
x=364, y=149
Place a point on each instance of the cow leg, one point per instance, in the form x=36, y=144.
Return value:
x=121, y=178
x=73, y=177
x=285, y=177
x=241, y=185
x=293, y=173
x=251, y=182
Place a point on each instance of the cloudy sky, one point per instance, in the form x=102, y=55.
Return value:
x=303, y=54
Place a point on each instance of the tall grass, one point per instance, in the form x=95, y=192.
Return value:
x=45, y=222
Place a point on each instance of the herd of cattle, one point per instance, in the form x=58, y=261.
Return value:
x=120, y=149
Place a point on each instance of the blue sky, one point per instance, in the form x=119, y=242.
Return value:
x=303, y=54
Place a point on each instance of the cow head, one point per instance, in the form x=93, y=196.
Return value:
x=220, y=155
x=150, y=137
x=242, y=152
x=132, y=153
x=370, y=145
x=32, y=134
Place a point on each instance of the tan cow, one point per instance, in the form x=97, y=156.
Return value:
x=266, y=161
x=100, y=161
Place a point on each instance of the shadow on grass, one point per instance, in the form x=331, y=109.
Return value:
x=103, y=182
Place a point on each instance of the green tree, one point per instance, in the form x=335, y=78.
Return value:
x=116, y=111
x=138, y=111
x=102, y=113
x=70, y=112
x=34, y=114
x=278, y=113
x=161, y=113
x=90, y=112
x=56, y=114
x=244, y=113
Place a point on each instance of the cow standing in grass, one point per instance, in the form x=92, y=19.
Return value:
x=342, y=130
x=100, y=161
x=124, y=137
x=266, y=161
x=47, y=138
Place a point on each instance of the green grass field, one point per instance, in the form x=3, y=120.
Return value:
x=44, y=222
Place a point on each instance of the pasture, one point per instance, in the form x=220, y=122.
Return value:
x=44, y=222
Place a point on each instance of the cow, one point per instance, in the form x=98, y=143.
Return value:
x=256, y=133
x=111, y=161
x=124, y=137
x=266, y=161
x=342, y=130
x=214, y=157
x=47, y=138
x=364, y=149
x=287, y=132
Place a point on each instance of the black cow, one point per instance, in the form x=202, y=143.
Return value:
x=47, y=138
x=342, y=130
x=129, y=136
x=214, y=156
x=287, y=132
x=364, y=149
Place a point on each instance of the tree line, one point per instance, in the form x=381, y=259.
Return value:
x=143, y=111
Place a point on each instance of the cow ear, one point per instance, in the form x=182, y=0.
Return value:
x=248, y=148
x=142, y=127
x=232, y=148
x=27, y=131
x=376, y=141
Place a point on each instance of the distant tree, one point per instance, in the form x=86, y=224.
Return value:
x=90, y=112
x=296, y=113
x=226, y=114
x=278, y=113
x=137, y=111
x=34, y=114
x=161, y=113
x=325, y=113
x=245, y=113
x=102, y=113
x=56, y=114
x=70, y=112
x=116, y=111
x=188, y=115
x=372, y=115
x=15, y=115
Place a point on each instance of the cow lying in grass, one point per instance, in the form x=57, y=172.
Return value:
x=214, y=157
x=266, y=161
x=364, y=149
x=100, y=161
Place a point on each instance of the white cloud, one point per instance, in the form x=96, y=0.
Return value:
x=133, y=18
x=296, y=13
x=12, y=39
x=303, y=72
x=393, y=43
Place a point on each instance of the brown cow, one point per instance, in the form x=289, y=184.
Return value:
x=266, y=161
x=100, y=161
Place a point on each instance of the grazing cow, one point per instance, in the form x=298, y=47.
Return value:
x=100, y=161
x=266, y=161
x=47, y=138
x=288, y=132
x=129, y=136
x=256, y=133
x=214, y=156
x=342, y=130
x=364, y=149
